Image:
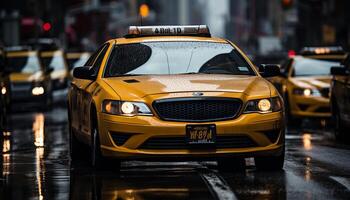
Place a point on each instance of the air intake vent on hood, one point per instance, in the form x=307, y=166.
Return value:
x=131, y=81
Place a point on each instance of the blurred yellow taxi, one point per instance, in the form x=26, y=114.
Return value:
x=56, y=60
x=175, y=92
x=5, y=88
x=305, y=82
x=340, y=99
x=30, y=81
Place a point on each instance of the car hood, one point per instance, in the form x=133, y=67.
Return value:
x=141, y=86
x=312, y=82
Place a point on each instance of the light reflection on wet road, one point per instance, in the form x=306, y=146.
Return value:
x=35, y=165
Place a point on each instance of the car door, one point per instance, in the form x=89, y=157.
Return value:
x=85, y=94
x=75, y=96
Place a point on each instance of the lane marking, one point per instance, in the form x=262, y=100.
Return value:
x=343, y=181
x=217, y=185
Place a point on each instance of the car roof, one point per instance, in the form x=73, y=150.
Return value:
x=167, y=39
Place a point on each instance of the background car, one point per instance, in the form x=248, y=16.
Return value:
x=60, y=73
x=340, y=99
x=4, y=90
x=76, y=59
x=30, y=81
x=305, y=80
x=180, y=94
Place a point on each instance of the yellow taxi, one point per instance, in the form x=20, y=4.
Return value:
x=175, y=92
x=340, y=99
x=57, y=61
x=305, y=80
x=4, y=90
x=30, y=81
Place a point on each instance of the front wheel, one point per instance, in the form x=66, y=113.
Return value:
x=75, y=147
x=339, y=129
x=97, y=160
x=271, y=163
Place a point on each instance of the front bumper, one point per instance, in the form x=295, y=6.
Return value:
x=266, y=131
x=301, y=106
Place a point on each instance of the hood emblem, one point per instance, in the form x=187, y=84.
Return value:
x=197, y=94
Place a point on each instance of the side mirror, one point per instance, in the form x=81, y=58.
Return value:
x=269, y=70
x=341, y=71
x=84, y=73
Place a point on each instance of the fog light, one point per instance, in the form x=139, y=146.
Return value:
x=38, y=91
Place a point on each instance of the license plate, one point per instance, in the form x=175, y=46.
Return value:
x=201, y=134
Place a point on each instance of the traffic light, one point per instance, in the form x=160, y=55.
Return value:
x=144, y=10
x=286, y=4
x=46, y=26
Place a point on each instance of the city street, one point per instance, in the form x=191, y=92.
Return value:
x=35, y=165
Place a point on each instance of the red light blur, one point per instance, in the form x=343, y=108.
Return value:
x=46, y=26
x=291, y=53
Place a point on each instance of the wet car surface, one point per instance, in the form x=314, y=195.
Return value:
x=35, y=165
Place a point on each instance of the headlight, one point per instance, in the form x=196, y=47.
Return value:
x=125, y=108
x=307, y=92
x=3, y=90
x=38, y=90
x=264, y=105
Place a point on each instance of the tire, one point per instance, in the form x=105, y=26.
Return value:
x=231, y=164
x=96, y=158
x=271, y=163
x=290, y=119
x=339, y=127
x=74, y=144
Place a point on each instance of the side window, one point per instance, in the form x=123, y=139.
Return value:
x=99, y=59
x=92, y=58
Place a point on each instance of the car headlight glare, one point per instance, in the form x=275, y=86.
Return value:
x=264, y=105
x=125, y=108
x=3, y=90
x=38, y=90
x=307, y=92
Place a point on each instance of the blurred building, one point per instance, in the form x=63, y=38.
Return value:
x=259, y=27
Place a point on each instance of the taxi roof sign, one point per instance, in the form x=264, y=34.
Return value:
x=322, y=50
x=194, y=30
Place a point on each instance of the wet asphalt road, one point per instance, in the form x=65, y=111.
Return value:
x=35, y=165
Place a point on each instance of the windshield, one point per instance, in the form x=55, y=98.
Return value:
x=176, y=58
x=28, y=63
x=53, y=60
x=313, y=67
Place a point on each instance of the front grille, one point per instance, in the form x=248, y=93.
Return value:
x=325, y=92
x=197, y=109
x=21, y=86
x=180, y=142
